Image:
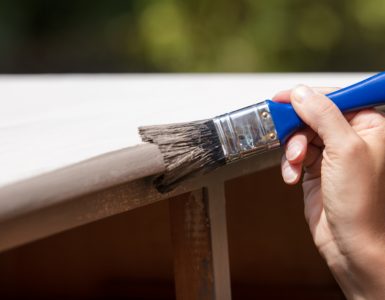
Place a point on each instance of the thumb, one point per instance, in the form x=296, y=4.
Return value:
x=322, y=115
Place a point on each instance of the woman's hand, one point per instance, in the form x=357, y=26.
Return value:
x=343, y=158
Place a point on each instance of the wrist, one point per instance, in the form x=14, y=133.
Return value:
x=360, y=273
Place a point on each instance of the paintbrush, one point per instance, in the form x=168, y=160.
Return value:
x=198, y=147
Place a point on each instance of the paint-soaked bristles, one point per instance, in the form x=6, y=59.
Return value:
x=188, y=149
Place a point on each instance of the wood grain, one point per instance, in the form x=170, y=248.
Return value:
x=51, y=219
x=219, y=243
x=51, y=122
x=68, y=144
x=272, y=255
x=199, y=235
x=192, y=246
x=83, y=178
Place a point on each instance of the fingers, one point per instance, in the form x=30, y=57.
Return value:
x=326, y=122
x=312, y=162
x=322, y=115
x=297, y=145
x=367, y=118
x=297, y=154
x=326, y=89
x=291, y=173
x=284, y=96
x=370, y=126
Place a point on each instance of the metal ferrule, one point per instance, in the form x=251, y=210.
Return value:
x=246, y=131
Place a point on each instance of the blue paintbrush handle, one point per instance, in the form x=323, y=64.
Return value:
x=367, y=93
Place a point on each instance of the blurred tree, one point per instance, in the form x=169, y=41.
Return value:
x=191, y=35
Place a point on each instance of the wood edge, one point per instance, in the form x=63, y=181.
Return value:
x=64, y=215
x=105, y=171
x=82, y=178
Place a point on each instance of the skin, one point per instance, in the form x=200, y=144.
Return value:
x=342, y=159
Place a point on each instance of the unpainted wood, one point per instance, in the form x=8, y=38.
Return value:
x=92, y=175
x=46, y=147
x=199, y=235
x=271, y=251
x=51, y=219
x=219, y=241
x=192, y=244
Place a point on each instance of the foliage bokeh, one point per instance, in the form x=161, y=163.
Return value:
x=191, y=35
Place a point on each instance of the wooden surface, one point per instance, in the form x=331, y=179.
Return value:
x=199, y=234
x=88, y=176
x=50, y=122
x=68, y=214
x=219, y=240
x=130, y=256
x=192, y=246
x=65, y=138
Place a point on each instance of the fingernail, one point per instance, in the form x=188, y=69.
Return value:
x=280, y=93
x=293, y=150
x=289, y=175
x=301, y=93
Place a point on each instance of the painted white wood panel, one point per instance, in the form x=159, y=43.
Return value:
x=48, y=122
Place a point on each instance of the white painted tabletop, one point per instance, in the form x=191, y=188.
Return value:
x=49, y=122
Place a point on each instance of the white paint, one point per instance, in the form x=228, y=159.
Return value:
x=53, y=121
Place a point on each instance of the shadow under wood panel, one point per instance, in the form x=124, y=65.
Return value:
x=130, y=255
x=127, y=256
x=271, y=250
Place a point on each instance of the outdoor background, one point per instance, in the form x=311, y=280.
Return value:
x=39, y=36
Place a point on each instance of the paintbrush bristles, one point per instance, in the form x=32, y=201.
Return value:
x=188, y=149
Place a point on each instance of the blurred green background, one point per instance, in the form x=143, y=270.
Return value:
x=38, y=36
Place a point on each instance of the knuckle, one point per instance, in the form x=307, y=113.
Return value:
x=325, y=108
x=353, y=148
x=377, y=120
x=322, y=109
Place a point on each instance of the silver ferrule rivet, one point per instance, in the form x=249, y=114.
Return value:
x=272, y=135
x=265, y=114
